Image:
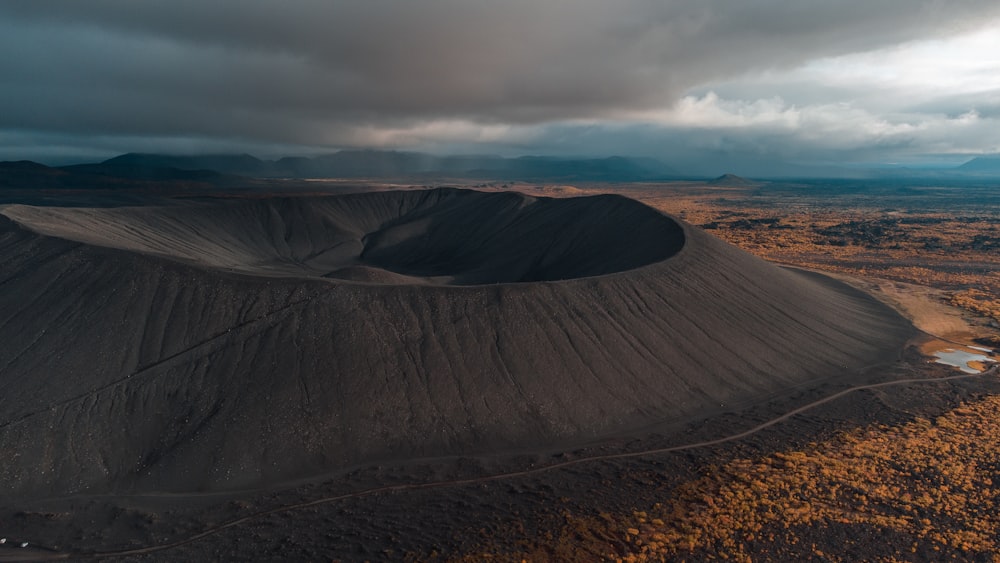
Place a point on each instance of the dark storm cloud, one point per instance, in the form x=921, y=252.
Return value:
x=318, y=72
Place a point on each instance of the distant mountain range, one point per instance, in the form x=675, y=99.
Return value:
x=156, y=171
x=392, y=164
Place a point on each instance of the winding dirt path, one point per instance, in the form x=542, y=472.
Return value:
x=53, y=556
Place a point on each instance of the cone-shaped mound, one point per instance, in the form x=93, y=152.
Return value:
x=132, y=359
x=444, y=236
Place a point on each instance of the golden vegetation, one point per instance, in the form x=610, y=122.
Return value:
x=978, y=301
x=929, y=480
x=930, y=485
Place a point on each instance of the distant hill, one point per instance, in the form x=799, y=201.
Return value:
x=139, y=172
x=238, y=164
x=732, y=180
x=27, y=175
x=397, y=164
x=982, y=165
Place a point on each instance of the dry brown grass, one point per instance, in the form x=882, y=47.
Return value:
x=932, y=485
x=931, y=480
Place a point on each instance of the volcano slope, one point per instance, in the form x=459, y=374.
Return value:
x=213, y=345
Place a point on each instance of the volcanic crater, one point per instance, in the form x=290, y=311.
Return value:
x=228, y=343
x=442, y=237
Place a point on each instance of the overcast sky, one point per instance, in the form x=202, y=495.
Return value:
x=853, y=82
